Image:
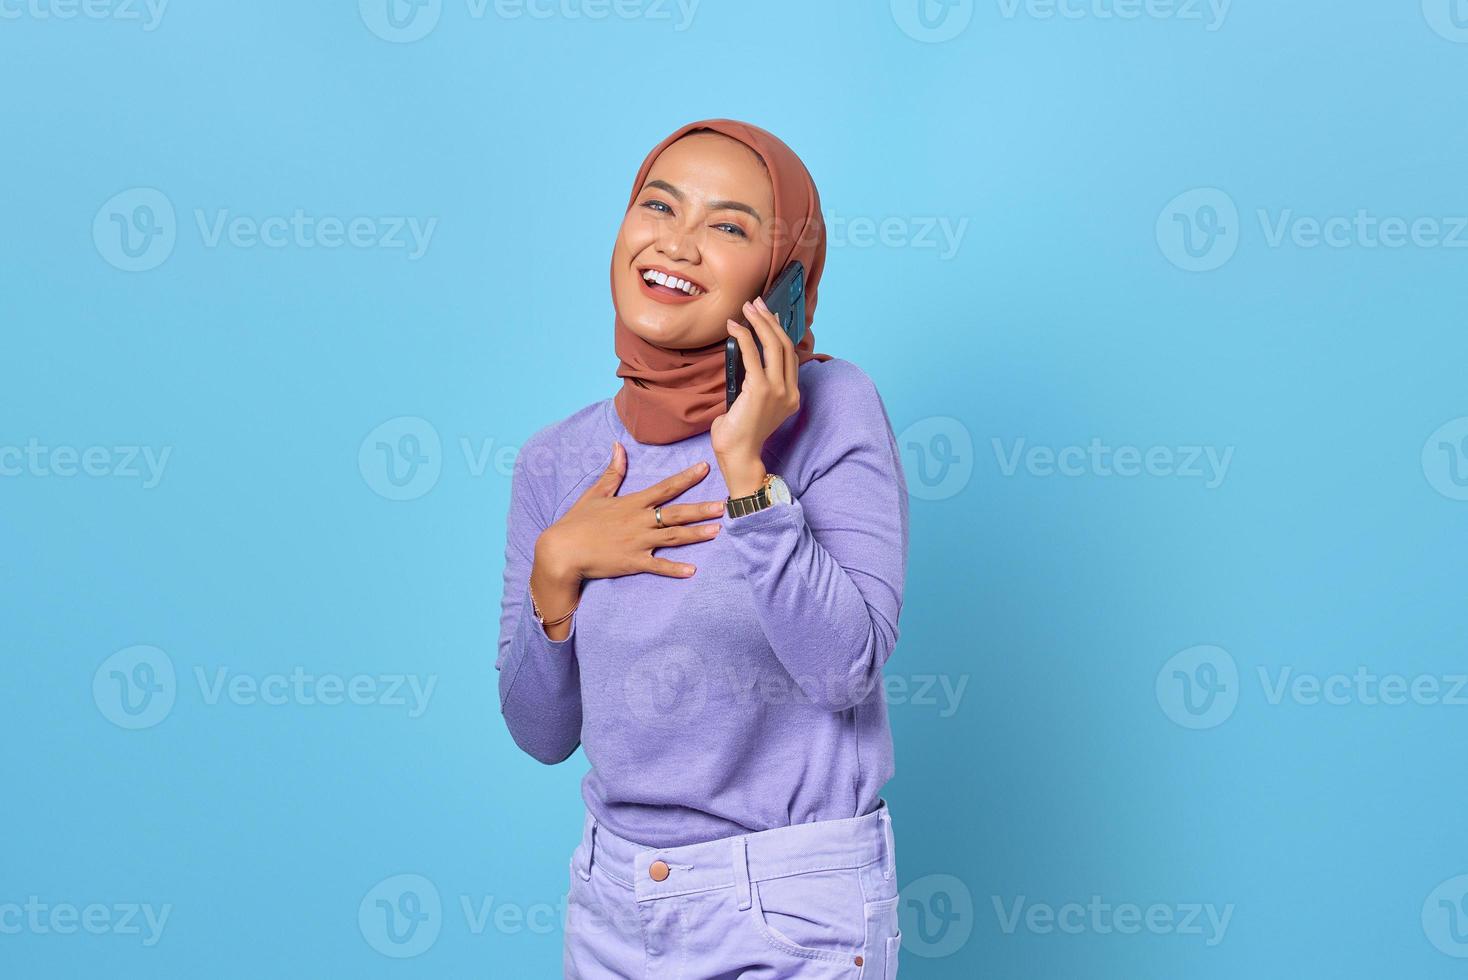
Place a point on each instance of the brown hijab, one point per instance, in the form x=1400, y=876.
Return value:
x=668, y=395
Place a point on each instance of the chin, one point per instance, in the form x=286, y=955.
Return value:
x=675, y=327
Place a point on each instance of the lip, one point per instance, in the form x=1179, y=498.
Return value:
x=673, y=299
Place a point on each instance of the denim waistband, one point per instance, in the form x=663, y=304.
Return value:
x=826, y=845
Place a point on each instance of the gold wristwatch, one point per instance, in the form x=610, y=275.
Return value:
x=773, y=491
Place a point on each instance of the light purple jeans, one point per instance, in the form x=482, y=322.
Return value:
x=811, y=901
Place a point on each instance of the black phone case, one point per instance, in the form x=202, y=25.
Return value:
x=786, y=299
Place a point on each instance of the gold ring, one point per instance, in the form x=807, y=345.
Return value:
x=657, y=515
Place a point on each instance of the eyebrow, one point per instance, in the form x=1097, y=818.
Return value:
x=713, y=205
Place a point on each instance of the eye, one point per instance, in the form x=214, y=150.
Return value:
x=658, y=206
x=732, y=228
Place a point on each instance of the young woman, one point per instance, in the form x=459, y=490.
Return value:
x=705, y=599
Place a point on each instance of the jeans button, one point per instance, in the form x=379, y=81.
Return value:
x=658, y=871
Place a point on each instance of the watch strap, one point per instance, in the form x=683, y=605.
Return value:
x=749, y=504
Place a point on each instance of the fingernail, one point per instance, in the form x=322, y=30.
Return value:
x=715, y=508
x=761, y=301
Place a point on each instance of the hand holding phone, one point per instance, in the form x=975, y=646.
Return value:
x=786, y=300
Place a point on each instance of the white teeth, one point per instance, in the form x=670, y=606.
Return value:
x=663, y=279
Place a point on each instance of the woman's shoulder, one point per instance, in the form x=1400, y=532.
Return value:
x=837, y=392
x=560, y=455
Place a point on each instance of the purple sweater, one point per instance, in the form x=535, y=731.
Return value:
x=749, y=696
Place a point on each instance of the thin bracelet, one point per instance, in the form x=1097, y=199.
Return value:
x=535, y=608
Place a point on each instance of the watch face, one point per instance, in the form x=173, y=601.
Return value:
x=779, y=492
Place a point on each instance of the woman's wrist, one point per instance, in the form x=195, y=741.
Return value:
x=743, y=476
x=555, y=582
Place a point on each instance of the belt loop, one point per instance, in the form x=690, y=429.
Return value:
x=741, y=872
x=891, y=864
x=585, y=869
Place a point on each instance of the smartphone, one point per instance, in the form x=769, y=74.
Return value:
x=786, y=299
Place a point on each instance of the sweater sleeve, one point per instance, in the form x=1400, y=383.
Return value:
x=539, y=681
x=826, y=572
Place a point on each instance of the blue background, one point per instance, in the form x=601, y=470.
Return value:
x=1071, y=766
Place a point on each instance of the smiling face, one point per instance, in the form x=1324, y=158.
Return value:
x=696, y=244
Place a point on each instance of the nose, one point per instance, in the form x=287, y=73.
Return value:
x=677, y=242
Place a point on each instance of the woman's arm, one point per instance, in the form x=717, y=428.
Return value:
x=602, y=535
x=826, y=572
x=539, y=681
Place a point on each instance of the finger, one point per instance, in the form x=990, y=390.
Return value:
x=611, y=478
x=753, y=374
x=674, y=536
x=769, y=332
x=670, y=487
x=780, y=328
x=689, y=513
x=662, y=566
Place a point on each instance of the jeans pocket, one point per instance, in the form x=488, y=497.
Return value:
x=893, y=946
x=817, y=915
